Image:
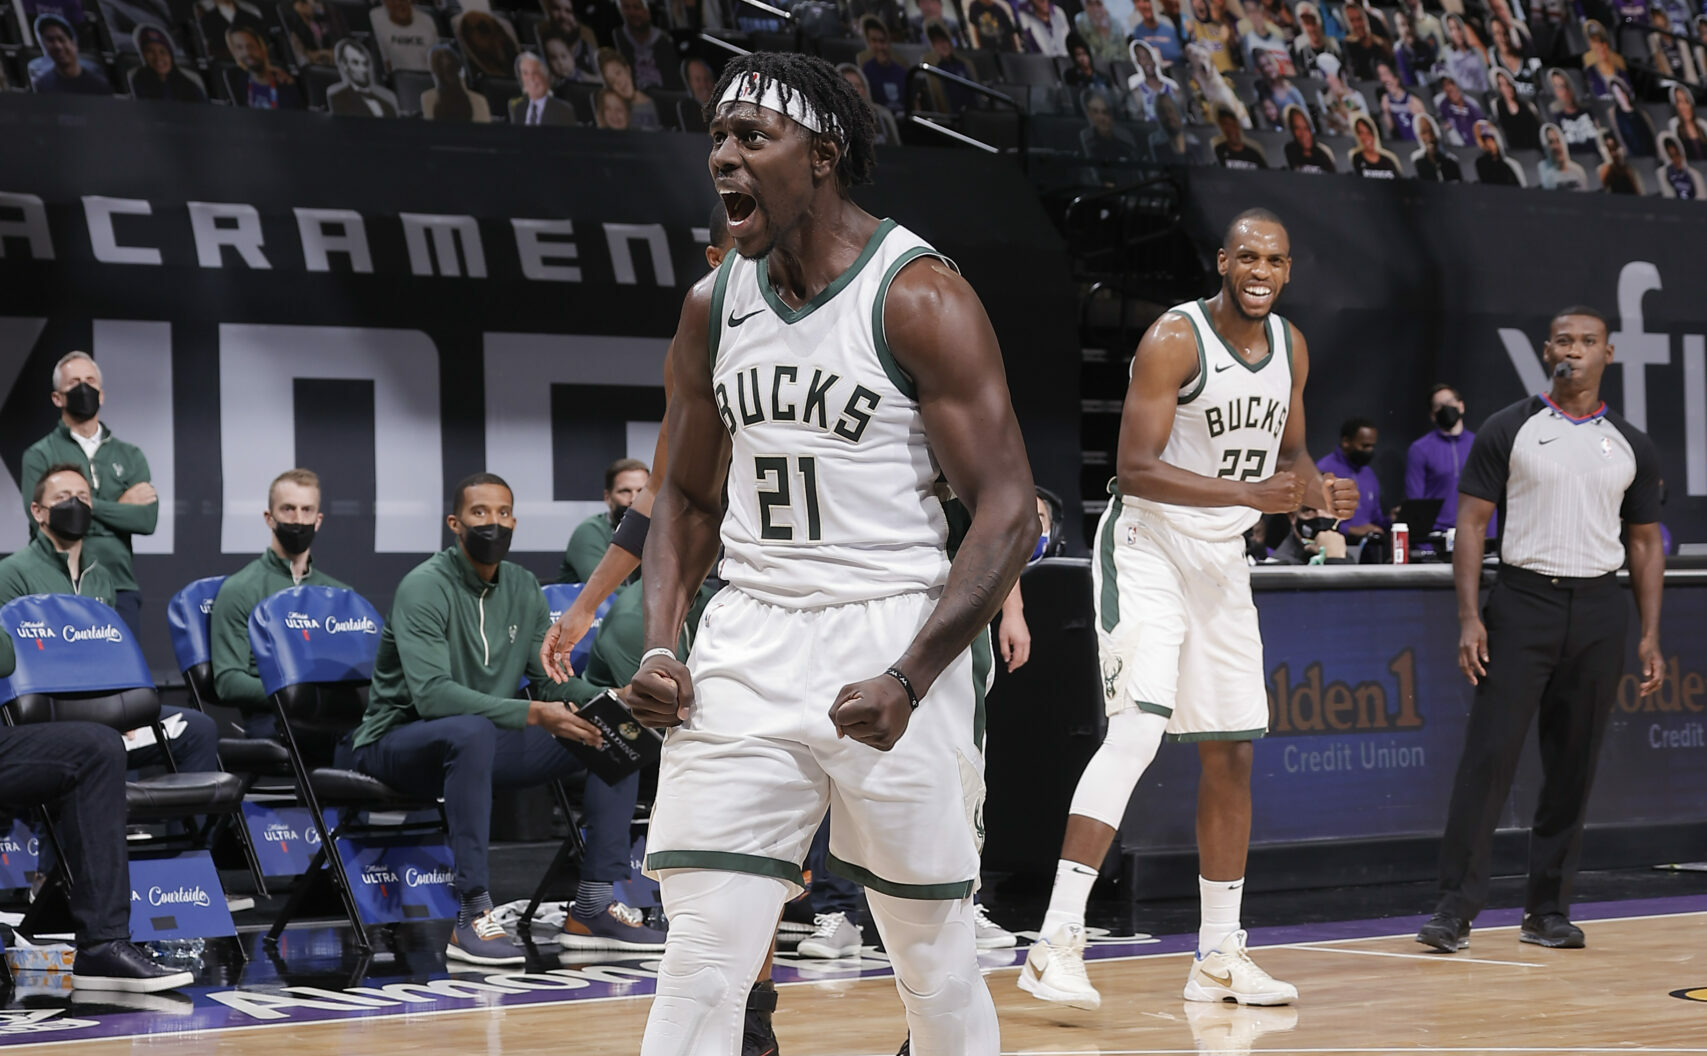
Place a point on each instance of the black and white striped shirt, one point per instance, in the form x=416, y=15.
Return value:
x=1563, y=485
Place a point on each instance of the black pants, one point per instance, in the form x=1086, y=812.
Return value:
x=78, y=768
x=1555, y=646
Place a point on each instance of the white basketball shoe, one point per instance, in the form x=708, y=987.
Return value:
x=1227, y=972
x=1054, y=970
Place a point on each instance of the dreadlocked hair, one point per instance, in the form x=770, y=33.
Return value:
x=823, y=89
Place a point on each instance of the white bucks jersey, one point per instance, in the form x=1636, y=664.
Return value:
x=1228, y=424
x=833, y=491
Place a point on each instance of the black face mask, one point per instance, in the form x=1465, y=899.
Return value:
x=616, y=516
x=1446, y=417
x=70, y=519
x=83, y=402
x=1359, y=458
x=1310, y=527
x=294, y=538
x=486, y=543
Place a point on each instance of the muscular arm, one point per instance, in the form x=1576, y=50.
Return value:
x=688, y=509
x=940, y=336
x=1647, y=573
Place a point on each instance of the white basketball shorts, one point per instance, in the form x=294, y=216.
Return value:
x=1176, y=628
x=745, y=780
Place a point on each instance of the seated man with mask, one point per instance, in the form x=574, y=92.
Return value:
x=624, y=480
x=62, y=506
x=444, y=719
x=293, y=516
x=1312, y=541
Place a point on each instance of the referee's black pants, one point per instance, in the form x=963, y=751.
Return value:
x=1555, y=646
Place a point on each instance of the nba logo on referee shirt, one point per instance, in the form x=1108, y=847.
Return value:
x=1605, y=448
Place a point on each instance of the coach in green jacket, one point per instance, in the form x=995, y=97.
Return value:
x=444, y=719
x=624, y=480
x=294, y=517
x=125, y=503
x=58, y=561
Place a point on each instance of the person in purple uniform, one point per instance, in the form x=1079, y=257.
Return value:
x=1358, y=437
x=1436, y=459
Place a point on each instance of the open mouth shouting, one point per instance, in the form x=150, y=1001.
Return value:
x=740, y=208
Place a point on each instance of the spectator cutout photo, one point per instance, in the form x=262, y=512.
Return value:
x=61, y=66
x=313, y=28
x=1558, y=171
x=887, y=130
x=217, y=17
x=571, y=59
x=536, y=105
x=619, y=77
x=27, y=11
x=612, y=110
x=256, y=83
x=1212, y=87
x=406, y=37
x=487, y=41
x=1676, y=178
x=1616, y=175
x=449, y=98
x=1634, y=128
x=1148, y=84
x=1575, y=123
x=1431, y=164
x=1231, y=150
x=1303, y=153
x=1492, y=166
x=357, y=94
x=160, y=76
x=1689, y=128
x=1515, y=114
x=1369, y=159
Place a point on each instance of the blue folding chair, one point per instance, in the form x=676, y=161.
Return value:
x=77, y=661
x=558, y=598
x=251, y=758
x=315, y=648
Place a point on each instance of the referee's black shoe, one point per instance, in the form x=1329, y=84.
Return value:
x=1445, y=932
x=757, y=1037
x=1553, y=930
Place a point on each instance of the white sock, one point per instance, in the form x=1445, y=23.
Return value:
x=1220, y=901
x=1073, y=883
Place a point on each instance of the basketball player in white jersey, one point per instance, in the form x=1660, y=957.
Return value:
x=1211, y=437
x=837, y=380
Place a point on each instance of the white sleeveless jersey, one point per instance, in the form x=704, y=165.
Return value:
x=833, y=493
x=1228, y=424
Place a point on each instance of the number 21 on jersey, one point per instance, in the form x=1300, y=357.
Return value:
x=775, y=479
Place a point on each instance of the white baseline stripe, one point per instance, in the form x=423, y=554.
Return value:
x=1442, y=957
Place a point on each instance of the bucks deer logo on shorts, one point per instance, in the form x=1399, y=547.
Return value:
x=1112, y=667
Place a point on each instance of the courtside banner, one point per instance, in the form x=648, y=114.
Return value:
x=398, y=878
x=1367, y=713
x=19, y=851
x=177, y=897
x=285, y=838
x=398, y=304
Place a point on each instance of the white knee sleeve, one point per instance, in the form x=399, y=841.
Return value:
x=719, y=934
x=934, y=950
x=1109, y=778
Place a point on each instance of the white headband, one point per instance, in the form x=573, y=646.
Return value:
x=746, y=89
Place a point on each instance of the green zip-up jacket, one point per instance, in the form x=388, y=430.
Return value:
x=618, y=648
x=8, y=656
x=455, y=645
x=587, y=546
x=235, y=678
x=41, y=569
x=115, y=468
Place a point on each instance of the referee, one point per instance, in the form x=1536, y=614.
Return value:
x=1564, y=471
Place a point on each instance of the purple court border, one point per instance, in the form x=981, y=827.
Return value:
x=260, y=998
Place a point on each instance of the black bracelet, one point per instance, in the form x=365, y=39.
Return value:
x=630, y=532
x=906, y=684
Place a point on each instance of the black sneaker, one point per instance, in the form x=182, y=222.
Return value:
x=1445, y=932
x=757, y=1037
x=121, y=965
x=1553, y=930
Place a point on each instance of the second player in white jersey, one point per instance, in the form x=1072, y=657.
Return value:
x=1229, y=423
x=833, y=492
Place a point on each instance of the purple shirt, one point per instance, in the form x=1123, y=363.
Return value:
x=1368, y=489
x=888, y=83
x=1432, y=467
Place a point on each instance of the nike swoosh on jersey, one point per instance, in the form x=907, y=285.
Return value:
x=737, y=321
x=1224, y=366
x=1549, y=440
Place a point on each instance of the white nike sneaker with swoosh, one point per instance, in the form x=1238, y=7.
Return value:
x=1228, y=973
x=1054, y=970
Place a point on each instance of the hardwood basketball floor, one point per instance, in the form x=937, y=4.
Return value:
x=1381, y=994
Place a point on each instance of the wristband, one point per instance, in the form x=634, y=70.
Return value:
x=906, y=684
x=630, y=532
x=659, y=651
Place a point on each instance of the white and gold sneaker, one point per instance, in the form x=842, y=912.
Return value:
x=1227, y=972
x=1054, y=970
x=1234, y=1030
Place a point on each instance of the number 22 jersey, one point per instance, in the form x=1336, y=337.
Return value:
x=833, y=494
x=1230, y=418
